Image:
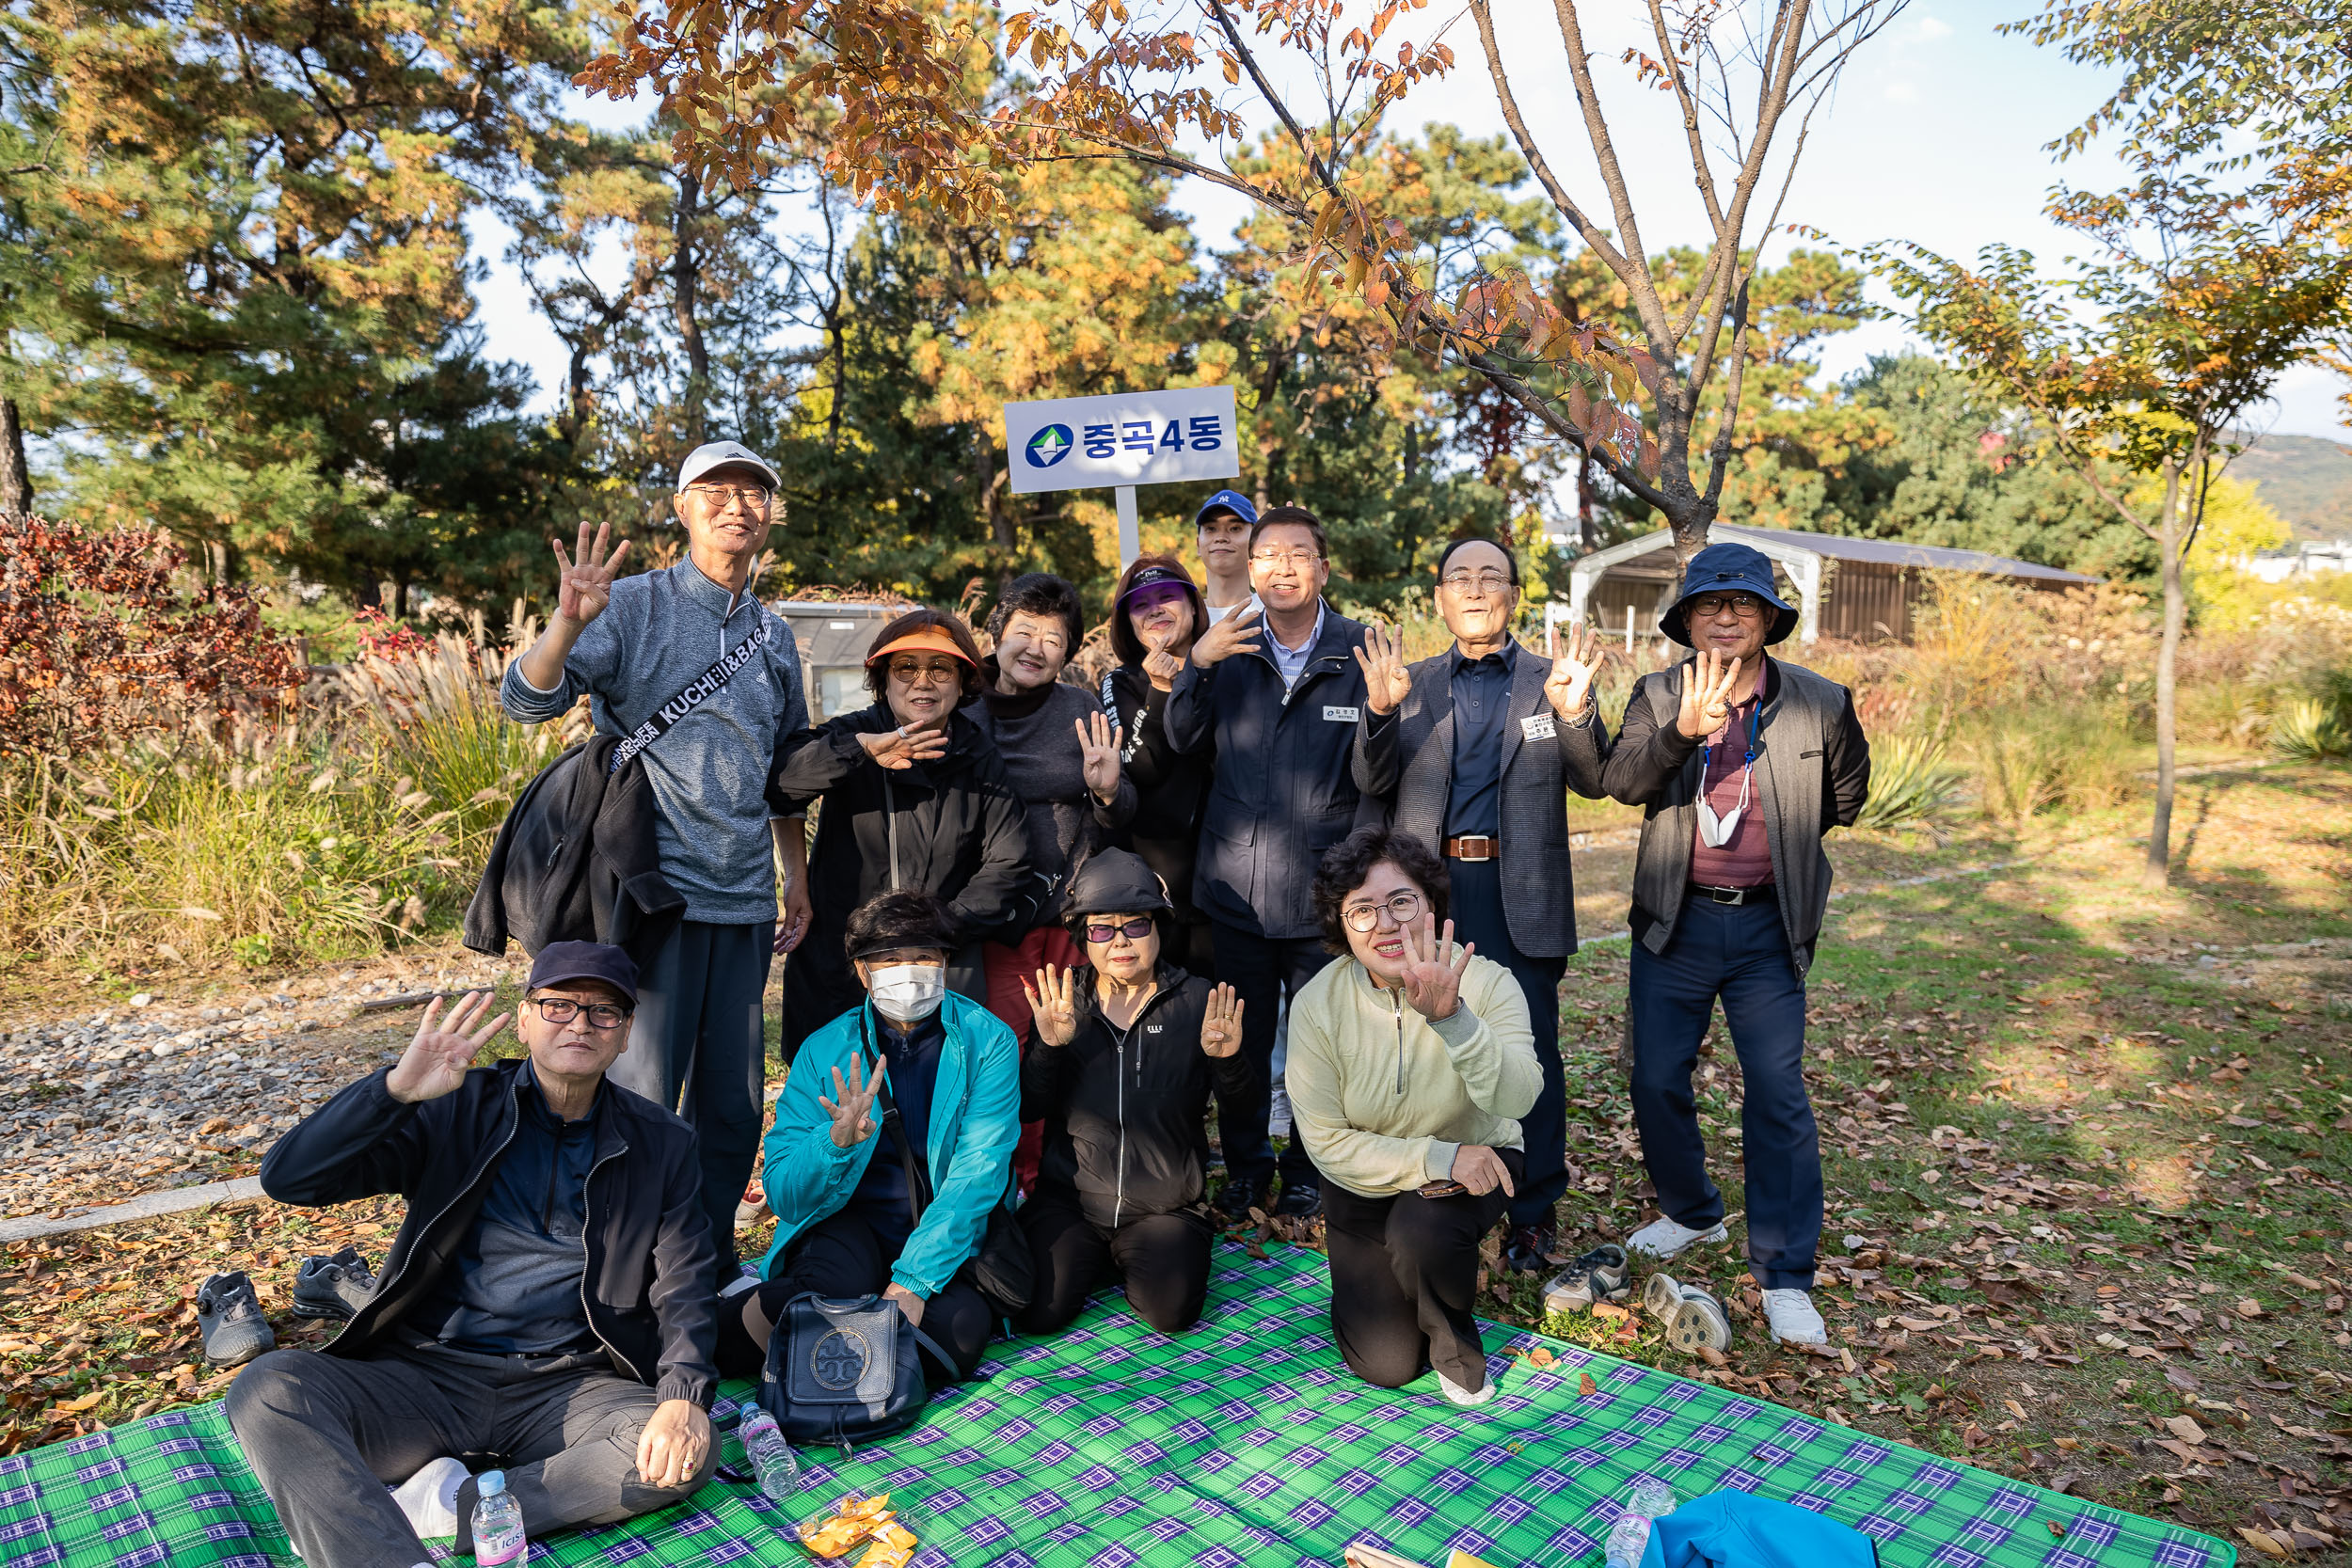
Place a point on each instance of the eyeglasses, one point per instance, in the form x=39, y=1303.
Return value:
x=1746, y=606
x=916, y=674
x=1293, y=558
x=1404, y=908
x=1133, y=930
x=719, y=494
x=563, y=1009
x=1486, y=582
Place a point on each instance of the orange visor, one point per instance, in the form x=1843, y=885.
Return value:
x=923, y=639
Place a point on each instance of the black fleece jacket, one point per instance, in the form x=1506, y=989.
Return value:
x=1125, y=1119
x=646, y=1291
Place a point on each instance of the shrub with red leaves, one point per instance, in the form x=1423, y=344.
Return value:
x=99, y=639
x=381, y=637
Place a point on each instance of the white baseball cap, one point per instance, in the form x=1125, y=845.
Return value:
x=718, y=454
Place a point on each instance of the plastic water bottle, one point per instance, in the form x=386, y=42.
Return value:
x=770, y=1455
x=498, y=1522
x=1648, y=1500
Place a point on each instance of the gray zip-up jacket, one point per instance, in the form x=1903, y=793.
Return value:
x=709, y=772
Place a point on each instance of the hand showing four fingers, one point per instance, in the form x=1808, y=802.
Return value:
x=1709, y=688
x=1386, y=682
x=435, y=1061
x=1432, y=981
x=1570, y=686
x=852, y=1103
x=1098, y=754
x=1054, y=1003
x=903, y=748
x=585, y=578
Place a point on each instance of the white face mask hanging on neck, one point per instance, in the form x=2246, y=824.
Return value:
x=1715, y=832
x=908, y=993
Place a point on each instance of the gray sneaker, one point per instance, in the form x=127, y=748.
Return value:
x=229, y=1315
x=334, y=1285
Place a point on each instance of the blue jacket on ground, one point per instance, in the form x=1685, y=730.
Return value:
x=1735, y=1530
x=975, y=1122
x=1291, y=781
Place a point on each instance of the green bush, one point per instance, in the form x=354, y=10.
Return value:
x=1912, y=784
x=2318, y=728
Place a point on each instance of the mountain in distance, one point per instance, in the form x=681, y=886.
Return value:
x=2305, y=479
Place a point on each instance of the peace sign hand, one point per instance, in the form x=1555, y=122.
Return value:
x=1220, y=1026
x=585, y=578
x=1161, y=666
x=903, y=748
x=1052, y=1005
x=1432, y=986
x=1386, y=680
x=1570, y=686
x=1708, y=685
x=436, y=1059
x=1098, y=754
x=852, y=1102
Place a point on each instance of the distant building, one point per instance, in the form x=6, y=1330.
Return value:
x=2309, y=558
x=1860, y=589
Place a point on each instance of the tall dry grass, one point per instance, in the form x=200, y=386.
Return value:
x=358, y=821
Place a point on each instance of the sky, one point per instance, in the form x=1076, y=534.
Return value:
x=1936, y=136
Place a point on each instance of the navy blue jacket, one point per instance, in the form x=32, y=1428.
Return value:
x=1292, y=777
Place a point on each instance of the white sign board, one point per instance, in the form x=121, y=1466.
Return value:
x=1124, y=439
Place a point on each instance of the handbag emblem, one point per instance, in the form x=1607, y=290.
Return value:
x=839, y=1359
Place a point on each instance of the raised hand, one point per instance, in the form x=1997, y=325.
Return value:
x=1432, y=986
x=1054, y=1004
x=585, y=578
x=1708, y=685
x=1098, y=754
x=903, y=748
x=1238, y=633
x=435, y=1061
x=1387, y=683
x=1570, y=686
x=852, y=1102
x=1220, y=1026
x=1161, y=666
x=1481, y=1170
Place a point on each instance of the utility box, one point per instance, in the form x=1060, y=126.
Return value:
x=833, y=639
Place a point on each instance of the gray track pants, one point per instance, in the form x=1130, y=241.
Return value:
x=326, y=1435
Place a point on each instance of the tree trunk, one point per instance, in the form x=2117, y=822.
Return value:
x=686, y=277
x=1585, y=545
x=2158, y=869
x=16, y=476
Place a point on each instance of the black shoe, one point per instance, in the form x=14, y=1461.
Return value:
x=229, y=1315
x=1528, y=1248
x=1234, y=1200
x=334, y=1285
x=1301, y=1200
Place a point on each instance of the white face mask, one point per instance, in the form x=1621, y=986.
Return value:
x=905, y=993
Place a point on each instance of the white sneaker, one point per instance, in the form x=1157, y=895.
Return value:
x=1662, y=1238
x=1793, y=1319
x=429, y=1498
x=1467, y=1398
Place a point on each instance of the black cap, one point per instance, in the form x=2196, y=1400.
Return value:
x=559, y=963
x=1115, y=881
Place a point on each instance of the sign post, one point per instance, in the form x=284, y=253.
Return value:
x=1121, y=440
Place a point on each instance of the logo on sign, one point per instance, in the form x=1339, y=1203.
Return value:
x=1049, y=446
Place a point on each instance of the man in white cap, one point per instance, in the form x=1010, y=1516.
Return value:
x=689, y=661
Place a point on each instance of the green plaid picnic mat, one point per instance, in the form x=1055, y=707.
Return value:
x=1241, y=1442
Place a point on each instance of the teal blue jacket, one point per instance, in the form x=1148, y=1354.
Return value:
x=974, y=1122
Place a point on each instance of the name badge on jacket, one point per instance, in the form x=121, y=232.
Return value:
x=1341, y=715
x=1539, y=726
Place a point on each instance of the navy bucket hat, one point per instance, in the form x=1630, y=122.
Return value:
x=1729, y=568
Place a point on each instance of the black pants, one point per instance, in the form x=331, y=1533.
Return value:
x=1741, y=954
x=1404, y=1277
x=1164, y=1260
x=326, y=1435
x=841, y=1256
x=1261, y=970
x=1476, y=906
x=699, y=1046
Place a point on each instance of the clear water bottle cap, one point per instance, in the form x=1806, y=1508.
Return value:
x=490, y=1483
x=1650, y=1498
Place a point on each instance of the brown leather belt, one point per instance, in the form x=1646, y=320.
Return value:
x=1478, y=846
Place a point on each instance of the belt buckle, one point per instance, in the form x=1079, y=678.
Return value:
x=1487, y=853
x=1731, y=895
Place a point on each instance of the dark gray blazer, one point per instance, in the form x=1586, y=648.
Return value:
x=1412, y=767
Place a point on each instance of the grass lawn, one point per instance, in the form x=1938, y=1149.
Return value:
x=2085, y=1148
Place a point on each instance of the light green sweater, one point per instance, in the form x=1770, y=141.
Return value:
x=1384, y=1098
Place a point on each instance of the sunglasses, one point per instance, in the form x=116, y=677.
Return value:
x=1134, y=930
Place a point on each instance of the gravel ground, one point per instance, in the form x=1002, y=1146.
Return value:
x=157, y=1092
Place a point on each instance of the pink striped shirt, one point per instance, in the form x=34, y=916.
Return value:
x=1746, y=860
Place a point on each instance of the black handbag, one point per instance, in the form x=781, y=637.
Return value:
x=846, y=1370
x=1002, y=1270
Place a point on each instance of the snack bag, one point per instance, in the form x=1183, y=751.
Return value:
x=893, y=1546
x=853, y=1519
